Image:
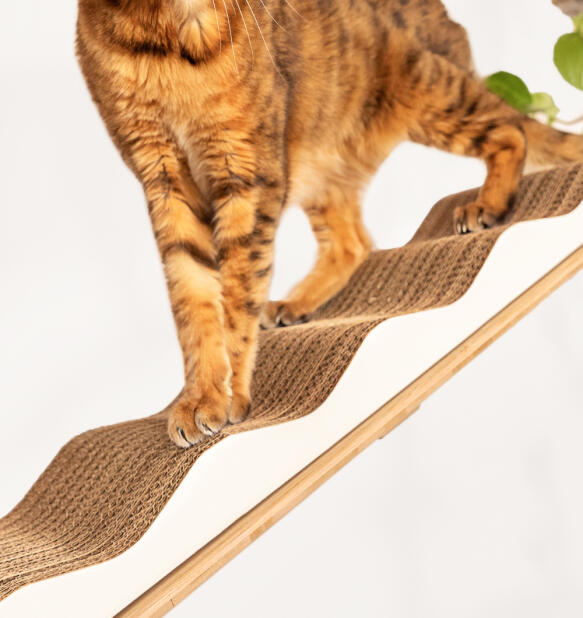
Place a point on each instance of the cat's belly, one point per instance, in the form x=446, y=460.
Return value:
x=318, y=171
x=314, y=172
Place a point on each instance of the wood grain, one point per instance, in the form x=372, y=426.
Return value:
x=183, y=580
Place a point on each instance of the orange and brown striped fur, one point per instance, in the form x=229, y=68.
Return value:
x=227, y=110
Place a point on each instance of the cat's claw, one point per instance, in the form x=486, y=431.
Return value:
x=183, y=436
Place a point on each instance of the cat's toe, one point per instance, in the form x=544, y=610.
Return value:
x=472, y=218
x=286, y=316
x=240, y=409
x=270, y=316
x=183, y=431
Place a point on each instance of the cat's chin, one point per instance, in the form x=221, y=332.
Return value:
x=188, y=8
x=201, y=26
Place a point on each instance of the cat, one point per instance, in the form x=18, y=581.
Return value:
x=227, y=110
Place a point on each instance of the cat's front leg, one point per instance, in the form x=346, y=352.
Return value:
x=182, y=224
x=245, y=228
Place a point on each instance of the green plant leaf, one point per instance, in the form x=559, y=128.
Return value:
x=543, y=102
x=510, y=88
x=568, y=57
x=578, y=23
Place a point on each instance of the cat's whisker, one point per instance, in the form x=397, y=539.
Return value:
x=263, y=38
x=270, y=15
x=218, y=27
x=231, y=37
x=246, y=30
x=293, y=8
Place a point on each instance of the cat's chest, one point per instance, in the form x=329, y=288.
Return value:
x=170, y=87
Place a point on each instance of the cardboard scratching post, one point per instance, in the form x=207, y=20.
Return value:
x=104, y=507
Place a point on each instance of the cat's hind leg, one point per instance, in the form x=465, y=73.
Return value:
x=444, y=106
x=343, y=244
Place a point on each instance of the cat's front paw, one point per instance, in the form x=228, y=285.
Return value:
x=281, y=313
x=194, y=416
x=472, y=218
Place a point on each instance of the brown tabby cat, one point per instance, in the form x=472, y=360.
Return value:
x=227, y=110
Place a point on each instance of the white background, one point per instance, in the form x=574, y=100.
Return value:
x=471, y=508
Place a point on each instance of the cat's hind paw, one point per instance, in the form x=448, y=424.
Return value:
x=472, y=218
